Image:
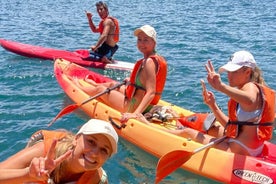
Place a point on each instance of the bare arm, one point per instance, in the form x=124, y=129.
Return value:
x=103, y=37
x=8, y=176
x=92, y=26
x=30, y=164
x=246, y=95
x=16, y=168
x=209, y=99
x=149, y=80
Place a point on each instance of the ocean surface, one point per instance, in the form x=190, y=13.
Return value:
x=189, y=33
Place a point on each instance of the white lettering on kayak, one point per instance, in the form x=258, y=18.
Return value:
x=252, y=176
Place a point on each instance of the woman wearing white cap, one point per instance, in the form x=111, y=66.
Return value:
x=146, y=82
x=251, y=108
x=62, y=157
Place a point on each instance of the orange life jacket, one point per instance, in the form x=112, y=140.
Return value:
x=265, y=123
x=117, y=28
x=161, y=75
x=48, y=137
x=198, y=121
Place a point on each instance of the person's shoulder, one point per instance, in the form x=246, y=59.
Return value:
x=149, y=64
x=161, y=58
x=149, y=60
x=250, y=86
x=108, y=20
x=158, y=59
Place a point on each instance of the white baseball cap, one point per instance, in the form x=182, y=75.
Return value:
x=238, y=60
x=148, y=30
x=96, y=126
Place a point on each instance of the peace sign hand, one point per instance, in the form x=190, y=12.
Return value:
x=213, y=78
x=41, y=167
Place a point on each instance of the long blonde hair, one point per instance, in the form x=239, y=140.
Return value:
x=62, y=147
x=256, y=76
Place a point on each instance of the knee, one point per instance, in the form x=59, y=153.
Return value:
x=100, y=88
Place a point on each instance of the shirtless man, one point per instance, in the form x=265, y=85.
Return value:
x=108, y=28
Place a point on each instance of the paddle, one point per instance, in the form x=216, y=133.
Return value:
x=174, y=159
x=72, y=107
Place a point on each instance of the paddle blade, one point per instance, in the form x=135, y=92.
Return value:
x=66, y=110
x=170, y=162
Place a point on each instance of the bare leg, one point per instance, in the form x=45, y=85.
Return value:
x=216, y=130
x=90, y=90
x=202, y=138
x=92, y=82
x=116, y=100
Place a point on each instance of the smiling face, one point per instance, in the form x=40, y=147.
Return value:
x=91, y=152
x=145, y=44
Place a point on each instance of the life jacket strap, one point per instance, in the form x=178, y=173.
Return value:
x=249, y=123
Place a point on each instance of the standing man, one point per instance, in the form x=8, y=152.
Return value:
x=109, y=30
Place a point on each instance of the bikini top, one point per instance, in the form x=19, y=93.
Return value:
x=245, y=116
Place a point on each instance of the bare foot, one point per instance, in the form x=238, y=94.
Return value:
x=106, y=60
x=90, y=81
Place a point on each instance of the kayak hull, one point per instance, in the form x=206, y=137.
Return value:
x=211, y=163
x=78, y=56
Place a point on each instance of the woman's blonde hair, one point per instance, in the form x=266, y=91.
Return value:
x=257, y=76
x=62, y=147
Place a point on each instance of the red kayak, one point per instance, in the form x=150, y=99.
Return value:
x=78, y=56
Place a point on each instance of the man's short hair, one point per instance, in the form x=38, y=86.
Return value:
x=100, y=3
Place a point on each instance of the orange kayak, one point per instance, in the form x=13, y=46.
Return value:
x=212, y=163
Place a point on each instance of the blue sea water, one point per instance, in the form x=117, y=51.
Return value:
x=189, y=33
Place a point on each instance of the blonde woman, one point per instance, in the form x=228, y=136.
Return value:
x=62, y=157
x=146, y=82
x=251, y=108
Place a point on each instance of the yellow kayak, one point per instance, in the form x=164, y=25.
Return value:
x=211, y=163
